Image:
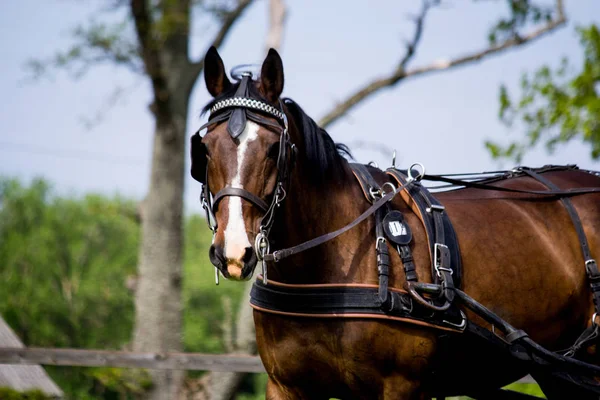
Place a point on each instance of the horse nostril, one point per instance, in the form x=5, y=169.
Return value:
x=248, y=253
x=216, y=256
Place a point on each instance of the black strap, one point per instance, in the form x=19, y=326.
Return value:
x=590, y=264
x=476, y=185
x=369, y=183
x=246, y=195
x=345, y=300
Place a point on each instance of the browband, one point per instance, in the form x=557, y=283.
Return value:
x=248, y=103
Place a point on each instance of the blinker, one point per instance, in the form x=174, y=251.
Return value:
x=237, y=120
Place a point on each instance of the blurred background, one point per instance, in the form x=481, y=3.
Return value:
x=460, y=86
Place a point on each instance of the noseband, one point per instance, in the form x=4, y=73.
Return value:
x=236, y=111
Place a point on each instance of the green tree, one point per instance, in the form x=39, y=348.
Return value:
x=63, y=269
x=556, y=105
x=67, y=270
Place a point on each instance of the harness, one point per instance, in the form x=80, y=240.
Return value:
x=436, y=304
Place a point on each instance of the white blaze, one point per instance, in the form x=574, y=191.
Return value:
x=236, y=238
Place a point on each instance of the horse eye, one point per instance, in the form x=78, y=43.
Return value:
x=273, y=151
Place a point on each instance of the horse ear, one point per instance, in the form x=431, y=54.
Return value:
x=271, y=76
x=214, y=73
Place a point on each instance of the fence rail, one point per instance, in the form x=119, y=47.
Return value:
x=126, y=359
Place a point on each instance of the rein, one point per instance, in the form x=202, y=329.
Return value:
x=279, y=255
x=551, y=192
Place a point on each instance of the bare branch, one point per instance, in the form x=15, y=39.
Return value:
x=419, y=22
x=95, y=44
x=277, y=15
x=401, y=73
x=228, y=19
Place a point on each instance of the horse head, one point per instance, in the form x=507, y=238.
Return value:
x=242, y=160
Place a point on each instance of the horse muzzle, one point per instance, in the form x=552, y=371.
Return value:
x=232, y=267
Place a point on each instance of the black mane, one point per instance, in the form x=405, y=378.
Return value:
x=325, y=159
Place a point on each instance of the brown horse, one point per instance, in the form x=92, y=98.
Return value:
x=521, y=257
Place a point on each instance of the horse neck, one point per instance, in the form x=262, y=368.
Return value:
x=310, y=211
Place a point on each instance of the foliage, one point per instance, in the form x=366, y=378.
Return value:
x=64, y=267
x=208, y=308
x=10, y=394
x=557, y=106
x=521, y=12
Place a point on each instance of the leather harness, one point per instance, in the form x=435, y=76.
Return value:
x=434, y=304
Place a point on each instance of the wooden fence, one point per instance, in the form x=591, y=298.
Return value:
x=125, y=359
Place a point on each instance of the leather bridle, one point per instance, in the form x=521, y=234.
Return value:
x=236, y=111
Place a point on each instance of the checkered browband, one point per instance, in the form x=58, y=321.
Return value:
x=248, y=103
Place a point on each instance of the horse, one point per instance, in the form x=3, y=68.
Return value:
x=273, y=179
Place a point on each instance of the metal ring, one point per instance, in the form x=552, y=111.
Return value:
x=420, y=175
x=594, y=318
x=390, y=184
x=242, y=70
x=261, y=250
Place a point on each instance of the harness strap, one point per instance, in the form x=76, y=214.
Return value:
x=244, y=194
x=590, y=264
x=347, y=301
x=553, y=192
x=443, y=246
x=367, y=182
x=278, y=255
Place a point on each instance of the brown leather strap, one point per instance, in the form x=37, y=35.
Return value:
x=244, y=194
x=553, y=192
x=281, y=254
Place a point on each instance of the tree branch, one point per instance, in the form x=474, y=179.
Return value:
x=96, y=44
x=151, y=57
x=401, y=73
x=195, y=68
x=277, y=15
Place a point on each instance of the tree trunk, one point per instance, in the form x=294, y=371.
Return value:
x=158, y=324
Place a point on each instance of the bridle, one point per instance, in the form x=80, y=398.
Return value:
x=237, y=110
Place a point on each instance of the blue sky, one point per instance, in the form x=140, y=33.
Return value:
x=329, y=49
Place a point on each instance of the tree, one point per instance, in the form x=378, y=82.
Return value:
x=556, y=105
x=158, y=48
x=53, y=253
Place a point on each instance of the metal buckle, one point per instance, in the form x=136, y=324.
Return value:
x=435, y=207
x=460, y=326
x=380, y=239
x=589, y=264
x=436, y=262
x=375, y=193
